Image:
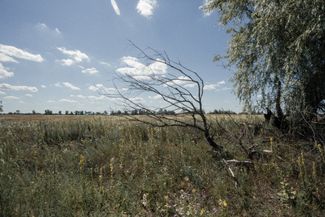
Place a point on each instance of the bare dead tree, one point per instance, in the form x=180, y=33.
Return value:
x=181, y=90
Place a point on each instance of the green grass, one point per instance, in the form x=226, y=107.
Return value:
x=105, y=166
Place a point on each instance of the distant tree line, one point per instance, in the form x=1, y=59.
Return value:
x=50, y=112
x=221, y=111
x=143, y=112
x=123, y=112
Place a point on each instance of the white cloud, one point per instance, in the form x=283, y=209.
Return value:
x=105, y=63
x=4, y=72
x=6, y=58
x=70, y=86
x=57, y=31
x=155, y=97
x=95, y=87
x=223, y=89
x=101, y=88
x=13, y=52
x=2, y=93
x=67, y=100
x=78, y=96
x=137, y=99
x=96, y=97
x=43, y=86
x=115, y=7
x=101, y=97
x=146, y=7
x=42, y=27
x=221, y=83
x=51, y=101
x=182, y=81
x=58, y=84
x=74, y=56
x=140, y=71
x=67, y=85
x=28, y=95
x=208, y=87
x=90, y=71
x=11, y=97
x=67, y=62
x=10, y=54
x=5, y=86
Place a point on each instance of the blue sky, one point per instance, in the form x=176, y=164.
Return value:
x=58, y=54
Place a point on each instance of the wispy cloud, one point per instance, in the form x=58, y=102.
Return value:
x=42, y=27
x=74, y=56
x=105, y=63
x=101, y=88
x=146, y=7
x=97, y=97
x=115, y=7
x=11, y=54
x=5, y=86
x=90, y=71
x=69, y=85
x=208, y=87
x=2, y=93
x=78, y=96
x=4, y=72
x=68, y=100
x=140, y=71
x=58, y=84
x=221, y=83
x=5, y=58
x=43, y=86
x=137, y=99
x=182, y=81
x=29, y=95
x=11, y=97
x=101, y=97
x=223, y=89
x=16, y=53
x=155, y=97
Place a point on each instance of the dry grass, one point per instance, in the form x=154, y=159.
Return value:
x=108, y=166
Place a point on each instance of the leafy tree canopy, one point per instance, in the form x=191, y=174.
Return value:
x=278, y=47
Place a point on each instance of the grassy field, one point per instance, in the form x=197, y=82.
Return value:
x=109, y=166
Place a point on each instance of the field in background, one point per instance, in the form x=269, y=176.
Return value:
x=109, y=166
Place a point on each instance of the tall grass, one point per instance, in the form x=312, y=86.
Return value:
x=112, y=167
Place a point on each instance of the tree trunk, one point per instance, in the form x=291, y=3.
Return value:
x=278, y=108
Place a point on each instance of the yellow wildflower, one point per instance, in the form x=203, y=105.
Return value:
x=111, y=166
x=202, y=212
x=223, y=203
x=82, y=160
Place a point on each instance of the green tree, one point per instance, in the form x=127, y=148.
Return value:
x=1, y=106
x=48, y=112
x=278, y=48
